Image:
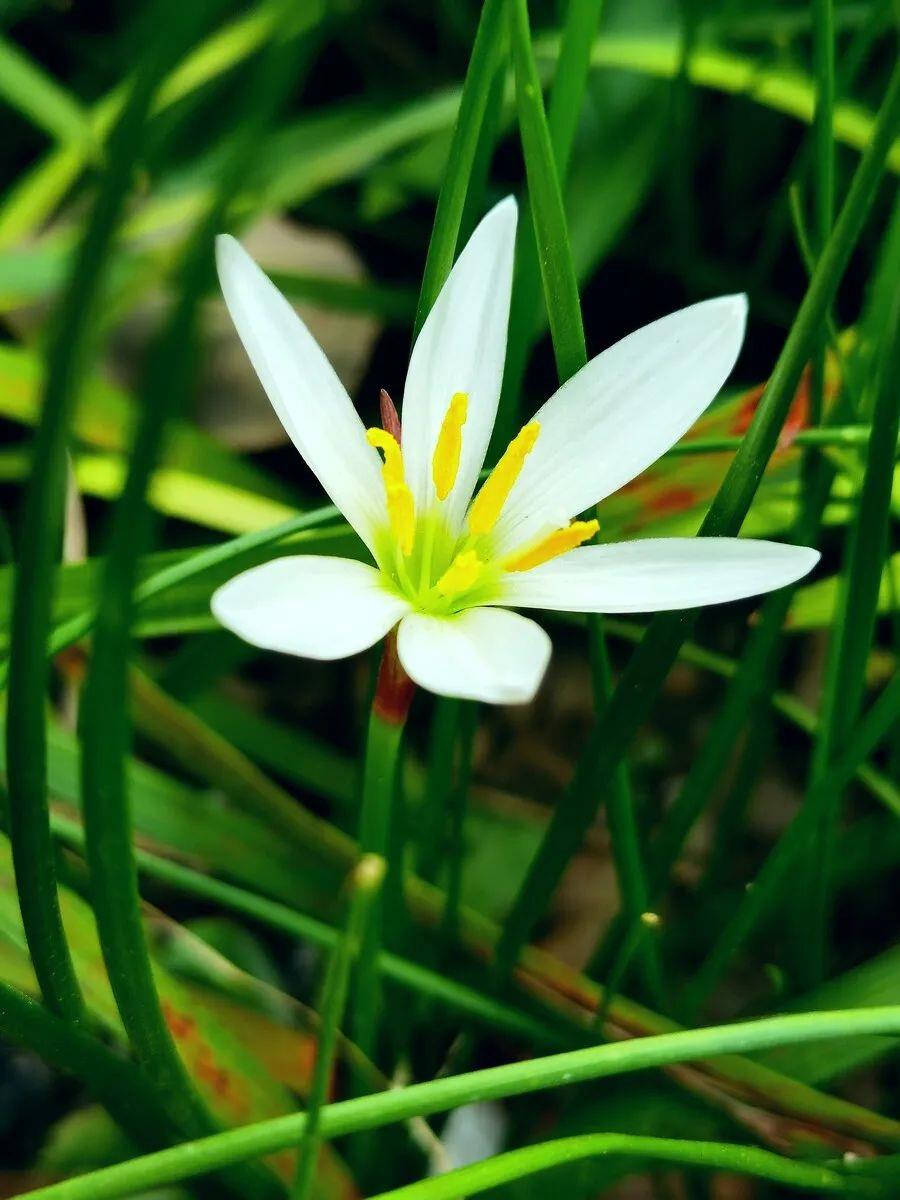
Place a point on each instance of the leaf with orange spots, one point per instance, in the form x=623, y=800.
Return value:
x=218, y=1041
x=671, y=497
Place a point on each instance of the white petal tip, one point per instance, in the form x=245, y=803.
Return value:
x=735, y=307
x=506, y=212
x=230, y=254
x=807, y=559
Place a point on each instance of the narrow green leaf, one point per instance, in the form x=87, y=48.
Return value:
x=27, y=87
x=557, y=268
x=484, y=63
x=515, y=1079
x=710, y=1156
x=758, y=899
x=117, y=1084
x=650, y=664
x=106, y=719
x=41, y=531
x=364, y=884
x=854, y=623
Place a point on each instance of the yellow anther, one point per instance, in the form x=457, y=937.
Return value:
x=393, y=457
x=462, y=573
x=488, y=504
x=553, y=545
x=445, y=462
x=400, y=504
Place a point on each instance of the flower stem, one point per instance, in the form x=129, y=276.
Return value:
x=390, y=705
x=365, y=882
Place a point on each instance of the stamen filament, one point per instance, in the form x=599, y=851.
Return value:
x=488, y=504
x=553, y=545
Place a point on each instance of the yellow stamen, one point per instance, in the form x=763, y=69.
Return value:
x=487, y=505
x=400, y=504
x=462, y=573
x=445, y=462
x=553, y=545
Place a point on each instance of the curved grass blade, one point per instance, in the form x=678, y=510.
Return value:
x=27, y=87
x=106, y=729
x=515, y=1079
x=527, y=1161
x=33, y=198
x=41, y=529
x=117, y=1084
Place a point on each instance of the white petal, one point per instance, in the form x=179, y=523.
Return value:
x=461, y=348
x=620, y=413
x=307, y=395
x=657, y=574
x=309, y=605
x=485, y=654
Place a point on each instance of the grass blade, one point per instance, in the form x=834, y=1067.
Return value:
x=557, y=268
x=26, y=87
x=41, y=532
x=515, y=1079
x=106, y=720
x=757, y=900
x=364, y=884
x=854, y=623
x=521, y=1164
x=118, y=1085
x=483, y=66
x=650, y=663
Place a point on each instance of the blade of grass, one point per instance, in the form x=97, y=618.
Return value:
x=117, y=1084
x=548, y=214
x=571, y=999
x=162, y=581
x=564, y=108
x=853, y=627
x=106, y=730
x=483, y=65
x=759, y=897
x=823, y=166
x=468, y=141
x=32, y=199
x=364, y=884
x=271, y=914
x=777, y=87
x=521, y=1164
x=40, y=541
x=493, y=1083
x=650, y=663
x=27, y=87
x=567, y=333
x=792, y=710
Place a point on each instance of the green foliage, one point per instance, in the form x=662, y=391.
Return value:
x=181, y=811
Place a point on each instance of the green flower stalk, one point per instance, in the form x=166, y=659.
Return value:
x=364, y=883
x=390, y=706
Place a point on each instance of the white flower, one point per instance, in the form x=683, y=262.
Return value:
x=449, y=567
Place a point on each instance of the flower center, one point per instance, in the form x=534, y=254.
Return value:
x=434, y=566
